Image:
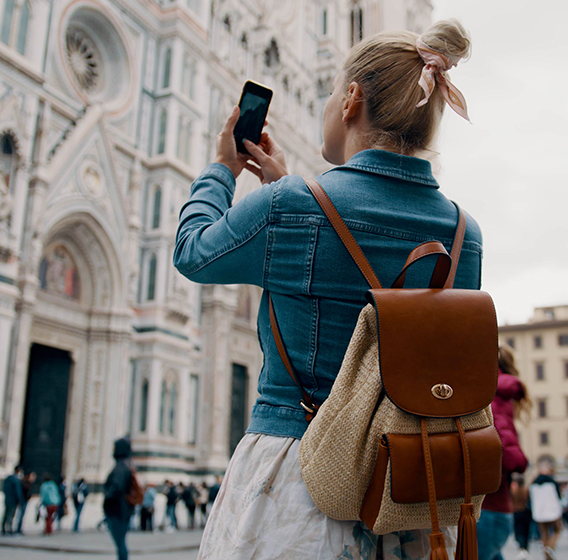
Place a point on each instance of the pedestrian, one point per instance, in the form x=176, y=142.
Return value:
x=510, y=402
x=214, y=490
x=80, y=493
x=546, y=508
x=378, y=128
x=188, y=495
x=13, y=497
x=27, y=487
x=50, y=499
x=172, y=497
x=522, y=515
x=118, y=485
x=147, y=511
x=62, y=508
x=564, y=491
x=202, y=501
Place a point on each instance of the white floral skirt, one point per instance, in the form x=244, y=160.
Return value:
x=264, y=512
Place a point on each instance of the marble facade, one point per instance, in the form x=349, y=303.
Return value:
x=108, y=110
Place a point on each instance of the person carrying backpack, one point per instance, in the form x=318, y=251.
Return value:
x=118, y=486
x=80, y=493
x=50, y=498
x=378, y=126
x=546, y=504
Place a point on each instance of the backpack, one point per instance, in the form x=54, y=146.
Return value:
x=135, y=495
x=405, y=439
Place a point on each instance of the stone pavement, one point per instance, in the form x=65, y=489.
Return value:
x=535, y=549
x=99, y=546
x=178, y=545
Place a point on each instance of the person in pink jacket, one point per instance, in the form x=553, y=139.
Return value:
x=496, y=521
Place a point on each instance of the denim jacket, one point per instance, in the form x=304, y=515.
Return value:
x=278, y=238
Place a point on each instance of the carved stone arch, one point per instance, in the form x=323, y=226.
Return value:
x=13, y=137
x=170, y=376
x=98, y=259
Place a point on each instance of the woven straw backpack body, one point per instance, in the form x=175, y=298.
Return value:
x=405, y=439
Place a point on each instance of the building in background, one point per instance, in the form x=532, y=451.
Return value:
x=108, y=111
x=541, y=352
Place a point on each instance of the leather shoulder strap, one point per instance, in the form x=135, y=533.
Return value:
x=344, y=234
x=456, y=247
x=307, y=404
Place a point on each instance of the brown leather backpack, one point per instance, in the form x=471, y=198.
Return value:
x=135, y=495
x=426, y=455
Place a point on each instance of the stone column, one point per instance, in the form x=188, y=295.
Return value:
x=17, y=377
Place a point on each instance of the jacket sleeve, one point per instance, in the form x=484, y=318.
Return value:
x=217, y=243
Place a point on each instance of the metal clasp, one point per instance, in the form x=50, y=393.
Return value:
x=442, y=391
x=306, y=408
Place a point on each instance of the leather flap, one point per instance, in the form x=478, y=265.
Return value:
x=437, y=349
x=409, y=484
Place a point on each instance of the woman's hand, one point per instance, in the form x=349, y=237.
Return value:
x=269, y=157
x=227, y=147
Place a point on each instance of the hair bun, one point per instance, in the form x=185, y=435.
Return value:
x=448, y=37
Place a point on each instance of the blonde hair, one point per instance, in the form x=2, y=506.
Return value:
x=387, y=67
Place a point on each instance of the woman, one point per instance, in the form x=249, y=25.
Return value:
x=384, y=111
x=511, y=401
x=50, y=498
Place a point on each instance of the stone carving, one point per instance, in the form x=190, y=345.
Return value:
x=83, y=58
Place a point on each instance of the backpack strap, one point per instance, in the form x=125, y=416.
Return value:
x=306, y=403
x=456, y=247
x=441, y=271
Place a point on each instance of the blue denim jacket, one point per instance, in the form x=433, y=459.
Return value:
x=278, y=238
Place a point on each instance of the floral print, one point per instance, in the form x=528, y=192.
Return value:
x=264, y=512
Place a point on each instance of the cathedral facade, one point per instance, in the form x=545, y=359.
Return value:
x=108, y=111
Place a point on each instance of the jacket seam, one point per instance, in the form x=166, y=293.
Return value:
x=356, y=225
x=402, y=175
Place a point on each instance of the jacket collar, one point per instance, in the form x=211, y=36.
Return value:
x=394, y=165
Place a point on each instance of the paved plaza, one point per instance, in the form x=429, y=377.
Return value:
x=179, y=545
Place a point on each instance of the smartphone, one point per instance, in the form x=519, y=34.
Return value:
x=254, y=103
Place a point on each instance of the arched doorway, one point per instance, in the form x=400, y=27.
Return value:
x=78, y=344
x=46, y=409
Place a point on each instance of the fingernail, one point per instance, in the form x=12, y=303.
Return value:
x=247, y=141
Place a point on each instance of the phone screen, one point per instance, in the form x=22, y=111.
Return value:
x=251, y=120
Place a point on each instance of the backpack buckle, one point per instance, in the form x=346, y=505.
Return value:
x=306, y=407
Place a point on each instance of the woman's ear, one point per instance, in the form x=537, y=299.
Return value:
x=353, y=102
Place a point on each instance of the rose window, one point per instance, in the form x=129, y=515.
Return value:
x=84, y=59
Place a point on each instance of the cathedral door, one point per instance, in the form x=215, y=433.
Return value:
x=238, y=406
x=46, y=407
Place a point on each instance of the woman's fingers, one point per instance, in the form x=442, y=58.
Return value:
x=231, y=121
x=254, y=169
x=255, y=151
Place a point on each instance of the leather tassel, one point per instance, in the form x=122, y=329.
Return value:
x=466, y=547
x=438, y=547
